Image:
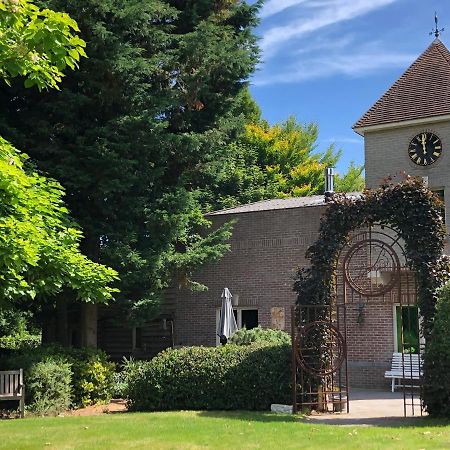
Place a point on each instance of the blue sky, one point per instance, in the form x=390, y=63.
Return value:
x=328, y=61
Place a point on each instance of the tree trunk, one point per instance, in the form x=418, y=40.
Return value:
x=89, y=325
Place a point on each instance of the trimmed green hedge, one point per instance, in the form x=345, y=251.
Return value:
x=247, y=377
x=259, y=334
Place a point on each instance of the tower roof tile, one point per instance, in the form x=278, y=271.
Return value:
x=423, y=91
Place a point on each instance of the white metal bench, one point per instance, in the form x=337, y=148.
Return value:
x=12, y=387
x=406, y=367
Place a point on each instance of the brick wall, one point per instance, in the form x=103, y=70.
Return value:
x=267, y=247
x=370, y=345
x=386, y=153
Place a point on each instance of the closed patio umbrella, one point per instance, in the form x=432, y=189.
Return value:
x=227, y=323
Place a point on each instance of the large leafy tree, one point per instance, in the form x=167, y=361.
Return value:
x=130, y=131
x=272, y=162
x=39, y=242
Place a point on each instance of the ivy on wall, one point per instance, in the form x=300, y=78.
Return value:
x=409, y=208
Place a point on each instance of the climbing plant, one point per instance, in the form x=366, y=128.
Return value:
x=412, y=210
x=409, y=208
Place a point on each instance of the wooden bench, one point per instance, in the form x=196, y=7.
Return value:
x=405, y=367
x=12, y=387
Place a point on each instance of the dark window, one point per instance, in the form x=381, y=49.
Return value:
x=249, y=318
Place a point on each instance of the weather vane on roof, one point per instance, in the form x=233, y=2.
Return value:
x=437, y=32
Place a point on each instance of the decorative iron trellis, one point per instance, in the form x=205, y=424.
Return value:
x=372, y=270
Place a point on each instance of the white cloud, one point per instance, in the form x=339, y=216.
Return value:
x=359, y=62
x=327, y=13
x=343, y=140
x=321, y=43
x=275, y=6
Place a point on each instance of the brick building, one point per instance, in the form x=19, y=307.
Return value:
x=407, y=130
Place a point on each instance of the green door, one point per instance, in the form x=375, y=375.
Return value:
x=408, y=316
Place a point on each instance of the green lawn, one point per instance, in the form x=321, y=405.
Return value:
x=221, y=430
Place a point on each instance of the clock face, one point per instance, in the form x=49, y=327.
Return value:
x=425, y=149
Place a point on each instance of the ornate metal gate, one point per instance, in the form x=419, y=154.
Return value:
x=372, y=320
x=319, y=375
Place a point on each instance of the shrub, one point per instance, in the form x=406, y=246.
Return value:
x=436, y=389
x=93, y=376
x=226, y=377
x=129, y=368
x=20, y=341
x=16, y=330
x=91, y=372
x=259, y=334
x=49, y=385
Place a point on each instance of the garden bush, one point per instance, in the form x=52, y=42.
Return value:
x=91, y=372
x=93, y=377
x=436, y=389
x=227, y=377
x=49, y=385
x=129, y=368
x=259, y=334
x=20, y=341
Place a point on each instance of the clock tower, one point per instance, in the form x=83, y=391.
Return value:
x=408, y=129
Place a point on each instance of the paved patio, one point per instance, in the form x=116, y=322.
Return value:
x=371, y=407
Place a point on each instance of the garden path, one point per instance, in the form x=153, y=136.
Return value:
x=371, y=407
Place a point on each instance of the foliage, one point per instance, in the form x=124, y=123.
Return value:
x=273, y=162
x=17, y=330
x=413, y=212
x=20, y=340
x=410, y=209
x=132, y=129
x=91, y=372
x=259, y=334
x=37, y=44
x=225, y=377
x=49, y=384
x=436, y=389
x=129, y=370
x=39, y=246
x=93, y=377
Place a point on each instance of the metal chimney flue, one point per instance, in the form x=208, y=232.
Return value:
x=329, y=183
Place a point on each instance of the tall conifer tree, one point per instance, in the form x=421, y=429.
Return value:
x=129, y=130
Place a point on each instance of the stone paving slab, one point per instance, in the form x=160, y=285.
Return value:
x=372, y=408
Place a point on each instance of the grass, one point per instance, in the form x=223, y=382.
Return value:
x=217, y=430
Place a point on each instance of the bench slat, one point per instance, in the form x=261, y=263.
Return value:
x=12, y=387
x=10, y=383
x=407, y=366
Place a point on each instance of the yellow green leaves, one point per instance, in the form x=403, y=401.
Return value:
x=39, y=248
x=37, y=44
x=288, y=155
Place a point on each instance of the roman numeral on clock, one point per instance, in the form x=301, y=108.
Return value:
x=425, y=148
